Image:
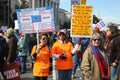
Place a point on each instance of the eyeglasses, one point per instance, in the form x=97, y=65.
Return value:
x=96, y=39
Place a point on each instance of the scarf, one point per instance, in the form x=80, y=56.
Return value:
x=103, y=67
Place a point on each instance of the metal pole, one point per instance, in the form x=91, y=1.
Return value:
x=54, y=69
x=38, y=36
x=83, y=2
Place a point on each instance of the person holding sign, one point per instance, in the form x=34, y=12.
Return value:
x=41, y=53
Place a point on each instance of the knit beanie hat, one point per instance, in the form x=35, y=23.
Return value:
x=10, y=31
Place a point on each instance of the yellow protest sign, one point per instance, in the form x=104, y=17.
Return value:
x=81, y=20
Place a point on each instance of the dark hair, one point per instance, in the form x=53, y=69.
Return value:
x=113, y=28
x=43, y=34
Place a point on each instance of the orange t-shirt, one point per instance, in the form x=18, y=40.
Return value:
x=66, y=48
x=42, y=62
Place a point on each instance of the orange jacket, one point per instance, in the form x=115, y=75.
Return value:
x=42, y=62
x=66, y=48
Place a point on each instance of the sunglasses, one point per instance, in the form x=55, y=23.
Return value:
x=96, y=39
x=44, y=38
x=107, y=30
x=62, y=34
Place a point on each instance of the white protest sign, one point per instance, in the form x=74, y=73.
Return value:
x=101, y=25
x=16, y=24
x=32, y=20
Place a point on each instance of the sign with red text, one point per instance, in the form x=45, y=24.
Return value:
x=37, y=19
x=81, y=21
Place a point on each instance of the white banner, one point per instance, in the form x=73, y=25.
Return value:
x=32, y=20
x=101, y=25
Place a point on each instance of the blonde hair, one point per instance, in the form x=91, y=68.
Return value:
x=95, y=35
x=10, y=31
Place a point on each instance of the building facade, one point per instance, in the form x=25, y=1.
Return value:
x=64, y=16
x=60, y=15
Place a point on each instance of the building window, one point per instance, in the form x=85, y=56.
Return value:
x=40, y=3
x=48, y=2
x=44, y=3
x=51, y=3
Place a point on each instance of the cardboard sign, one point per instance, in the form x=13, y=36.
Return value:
x=11, y=71
x=81, y=21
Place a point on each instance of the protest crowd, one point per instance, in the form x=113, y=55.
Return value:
x=98, y=57
x=59, y=52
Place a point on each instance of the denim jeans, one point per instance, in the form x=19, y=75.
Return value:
x=77, y=62
x=23, y=60
x=64, y=74
x=113, y=72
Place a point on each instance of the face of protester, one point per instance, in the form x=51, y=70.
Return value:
x=22, y=36
x=62, y=36
x=43, y=40
x=96, y=41
x=108, y=32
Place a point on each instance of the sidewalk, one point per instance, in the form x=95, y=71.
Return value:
x=29, y=75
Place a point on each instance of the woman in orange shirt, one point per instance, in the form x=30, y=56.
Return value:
x=62, y=51
x=42, y=60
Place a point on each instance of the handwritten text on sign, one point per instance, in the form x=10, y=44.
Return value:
x=81, y=20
